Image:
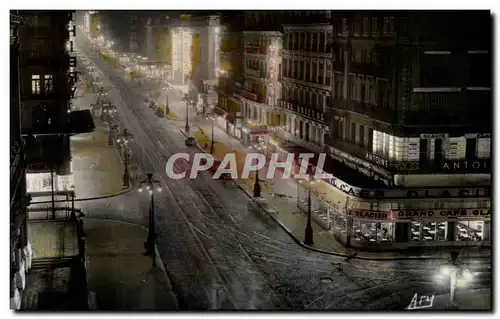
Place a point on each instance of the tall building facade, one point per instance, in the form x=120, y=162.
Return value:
x=262, y=75
x=410, y=104
x=307, y=78
x=20, y=247
x=47, y=86
x=411, y=111
x=230, y=72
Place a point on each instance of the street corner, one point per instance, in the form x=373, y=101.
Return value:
x=111, y=245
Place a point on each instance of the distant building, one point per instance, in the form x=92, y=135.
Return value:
x=410, y=127
x=306, y=78
x=230, y=73
x=411, y=105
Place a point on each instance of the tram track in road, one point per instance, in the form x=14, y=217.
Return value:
x=201, y=210
x=200, y=249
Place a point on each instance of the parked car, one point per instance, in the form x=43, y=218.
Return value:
x=161, y=112
x=190, y=141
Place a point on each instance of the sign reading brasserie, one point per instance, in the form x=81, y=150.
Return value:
x=472, y=192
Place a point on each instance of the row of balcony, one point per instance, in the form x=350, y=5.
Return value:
x=253, y=96
x=256, y=73
x=261, y=49
x=295, y=107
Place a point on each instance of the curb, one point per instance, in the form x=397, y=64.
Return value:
x=332, y=253
x=159, y=264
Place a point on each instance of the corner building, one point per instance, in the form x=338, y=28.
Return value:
x=411, y=111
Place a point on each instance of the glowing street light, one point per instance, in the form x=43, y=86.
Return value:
x=123, y=141
x=454, y=273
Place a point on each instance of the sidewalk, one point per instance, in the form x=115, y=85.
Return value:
x=97, y=167
x=281, y=198
x=118, y=272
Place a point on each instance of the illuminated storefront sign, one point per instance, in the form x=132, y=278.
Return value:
x=434, y=136
x=466, y=166
x=447, y=213
x=252, y=50
x=368, y=214
x=258, y=130
x=419, y=214
x=475, y=192
x=250, y=96
x=375, y=159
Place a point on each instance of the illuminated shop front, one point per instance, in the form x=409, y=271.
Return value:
x=407, y=228
x=42, y=182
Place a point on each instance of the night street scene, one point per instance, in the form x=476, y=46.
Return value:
x=396, y=106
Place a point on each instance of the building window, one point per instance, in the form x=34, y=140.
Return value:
x=385, y=30
x=345, y=27
x=322, y=42
x=374, y=27
x=35, y=84
x=362, y=93
x=357, y=27
x=328, y=74
x=329, y=41
x=352, y=92
x=314, y=42
x=48, y=81
x=353, y=133
x=302, y=41
x=321, y=72
x=314, y=71
x=308, y=41
x=307, y=72
x=366, y=27
x=339, y=86
x=392, y=27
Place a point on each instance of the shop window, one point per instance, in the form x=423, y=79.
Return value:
x=416, y=229
x=385, y=233
x=364, y=231
x=470, y=230
x=476, y=230
x=441, y=231
x=429, y=231
x=463, y=231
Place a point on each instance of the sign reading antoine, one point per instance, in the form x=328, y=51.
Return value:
x=465, y=166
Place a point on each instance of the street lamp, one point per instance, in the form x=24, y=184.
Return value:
x=212, y=141
x=150, y=185
x=256, y=186
x=308, y=238
x=456, y=274
x=187, y=116
x=123, y=140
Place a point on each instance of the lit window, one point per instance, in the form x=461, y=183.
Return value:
x=48, y=83
x=35, y=84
